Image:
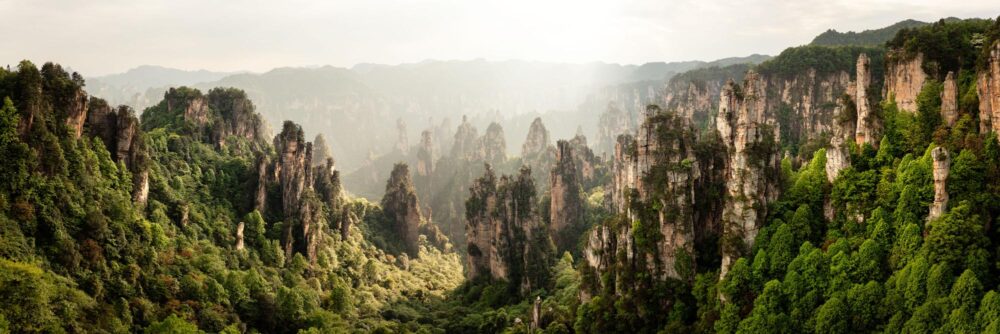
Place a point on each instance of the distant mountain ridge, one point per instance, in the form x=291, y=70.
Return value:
x=870, y=37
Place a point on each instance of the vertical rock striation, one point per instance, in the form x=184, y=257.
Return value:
x=748, y=133
x=865, y=130
x=507, y=240
x=566, y=205
x=905, y=79
x=949, y=100
x=941, y=166
x=988, y=87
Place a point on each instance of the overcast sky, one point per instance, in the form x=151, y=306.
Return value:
x=102, y=37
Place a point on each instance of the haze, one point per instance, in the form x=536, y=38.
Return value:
x=103, y=37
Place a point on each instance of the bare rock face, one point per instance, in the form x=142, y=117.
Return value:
x=493, y=146
x=941, y=166
x=566, y=206
x=76, y=115
x=239, y=236
x=506, y=237
x=865, y=130
x=904, y=79
x=119, y=130
x=748, y=133
x=294, y=155
x=949, y=100
x=838, y=156
x=624, y=176
x=988, y=87
x=400, y=204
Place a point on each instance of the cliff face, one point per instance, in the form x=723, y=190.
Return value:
x=76, y=113
x=400, y=204
x=838, y=156
x=748, y=133
x=988, y=87
x=904, y=80
x=866, y=128
x=507, y=239
x=949, y=100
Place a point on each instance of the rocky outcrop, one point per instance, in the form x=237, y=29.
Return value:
x=624, y=176
x=221, y=114
x=401, y=206
x=904, y=79
x=748, y=133
x=949, y=100
x=988, y=87
x=119, y=130
x=507, y=240
x=239, y=236
x=301, y=188
x=865, y=130
x=566, y=205
x=584, y=157
x=941, y=166
x=655, y=180
x=838, y=155
x=76, y=113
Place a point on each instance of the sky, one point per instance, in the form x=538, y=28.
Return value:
x=110, y=36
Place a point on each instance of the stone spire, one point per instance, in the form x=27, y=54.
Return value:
x=864, y=131
x=941, y=165
x=949, y=100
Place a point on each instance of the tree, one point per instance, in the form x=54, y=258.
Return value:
x=954, y=235
x=833, y=317
x=172, y=325
x=967, y=291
